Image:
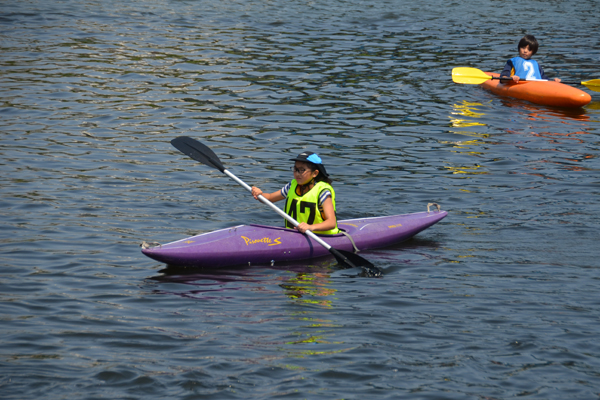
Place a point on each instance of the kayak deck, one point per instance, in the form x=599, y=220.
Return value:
x=262, y=244
x=548, y=93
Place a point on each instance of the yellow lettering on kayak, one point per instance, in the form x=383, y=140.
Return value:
x=395, y=226
x=266, y=240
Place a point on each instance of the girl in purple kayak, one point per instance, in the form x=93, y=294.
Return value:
x=523, y=67
x=310, y=198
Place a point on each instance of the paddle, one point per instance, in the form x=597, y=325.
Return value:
x=199, y=152
x=476, y=76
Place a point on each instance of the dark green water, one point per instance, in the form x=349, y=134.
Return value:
x=497, y=301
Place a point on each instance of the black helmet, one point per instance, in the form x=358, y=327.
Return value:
x=313, y=158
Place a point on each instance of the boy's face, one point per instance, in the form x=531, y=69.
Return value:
x=525, y=52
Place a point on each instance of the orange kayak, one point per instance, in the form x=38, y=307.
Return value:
x=547, y=93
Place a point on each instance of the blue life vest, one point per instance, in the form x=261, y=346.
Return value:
x=526, y=69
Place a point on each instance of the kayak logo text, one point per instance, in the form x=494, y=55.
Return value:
x=267, y=240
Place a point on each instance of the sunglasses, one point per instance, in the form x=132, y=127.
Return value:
x=299, y=170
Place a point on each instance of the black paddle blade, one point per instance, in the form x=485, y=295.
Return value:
x=199, y=152
x=351, y=260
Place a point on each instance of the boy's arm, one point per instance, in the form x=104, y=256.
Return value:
x=507, y=69
x=542, y=74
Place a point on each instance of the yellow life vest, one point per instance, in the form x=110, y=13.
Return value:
x=306, y=208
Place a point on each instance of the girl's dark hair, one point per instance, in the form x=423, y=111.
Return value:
x=531, y=41
x=320, y=177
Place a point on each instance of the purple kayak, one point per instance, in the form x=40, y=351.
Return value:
x=261, y=244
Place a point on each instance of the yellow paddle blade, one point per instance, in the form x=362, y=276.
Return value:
x=593, y=84
x=471, y=76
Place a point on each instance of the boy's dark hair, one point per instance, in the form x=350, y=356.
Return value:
x=531, y=41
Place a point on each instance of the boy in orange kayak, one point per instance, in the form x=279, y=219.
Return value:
x=310, y=198
x=523, y=67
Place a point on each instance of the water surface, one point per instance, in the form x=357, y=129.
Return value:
x=499, y=300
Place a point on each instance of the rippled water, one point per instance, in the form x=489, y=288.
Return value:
x=499, y=300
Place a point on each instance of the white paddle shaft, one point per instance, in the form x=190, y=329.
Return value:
x=278, y=210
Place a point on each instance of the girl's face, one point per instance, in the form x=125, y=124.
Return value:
x=525, y=52
x=302, y=173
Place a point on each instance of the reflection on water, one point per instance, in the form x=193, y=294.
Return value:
x=312, y=327
x=310, y=288
x=207, y=283
x=467, y=109
x=467, y=170
x=535, y=112
x=594, y=105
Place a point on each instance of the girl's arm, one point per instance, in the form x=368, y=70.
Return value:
x=272, y=197
x=329, y=220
